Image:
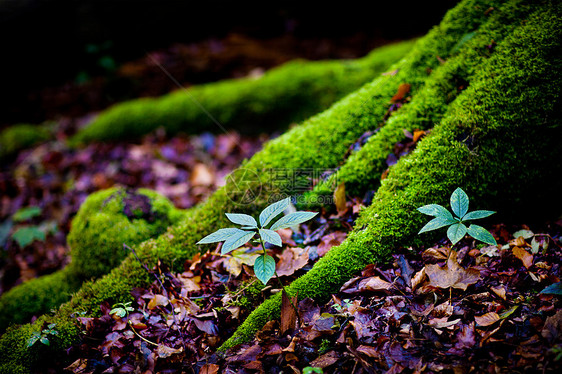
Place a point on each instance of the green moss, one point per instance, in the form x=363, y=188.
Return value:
x=320, y=142
x=498, y=141
x=284, y=95
x=17, y=137
x=107, y=220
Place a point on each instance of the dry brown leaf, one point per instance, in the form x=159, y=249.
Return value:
x=377, y=284
x=418, y=278
x=165, y=351
x=552, y=327
x=418, y=134
x=499, y=291
x=190, y=283
x=435, y=254
x=452, y=274
x=487, y=319
x=157, y=300
x=403, y=89
x=201, y=175
x=291, y=260
x=209, y=369
x=441, y=323
x=339, y=199
x=368, y=351
x=525, y=257
x=328, y=241
x=288, y=313
x=325, y=360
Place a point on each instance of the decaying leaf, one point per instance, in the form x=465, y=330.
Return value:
x=403, y=90
x=331, y=240
x=292, y=259
x=452, y=274
x=233, y=263
x=288, y=313
x=339, y=199
x=377, y=284
x=157, y=300
x=487, y=319
x=165, y=351
x=525, y=257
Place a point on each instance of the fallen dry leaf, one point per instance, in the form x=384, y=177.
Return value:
x=165, y=351
x=403, y=89
x=325, y=360
x=233, y=263
x=525, y=257
x=209, y=369
x=157, y=300
x=291, y=260
x=376, y=284
x=288, y=313
x=201, y=175
x=452, y=274
x=339, y=199
x=331, y=240
x=418, y=278
x=487, y=319
x=499, y=291
x=552, y=327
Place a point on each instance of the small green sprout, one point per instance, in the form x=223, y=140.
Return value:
x=121, y=309
x=311, y=370
x=457, y=229
x=42, y=336
x=264, y=266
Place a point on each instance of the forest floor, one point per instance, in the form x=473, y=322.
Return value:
x=475, y=308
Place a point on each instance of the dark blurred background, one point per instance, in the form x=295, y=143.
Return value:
x=62, y=57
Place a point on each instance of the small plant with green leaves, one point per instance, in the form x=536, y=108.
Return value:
x=121, y=309
x=311, y=370
x=457, y=228
x=233, y=238
x=42, y=336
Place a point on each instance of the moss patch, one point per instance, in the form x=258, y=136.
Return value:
x=320, y=142
x=17, y=137
x=284, y=95
x=498, y=141
x=107, y=220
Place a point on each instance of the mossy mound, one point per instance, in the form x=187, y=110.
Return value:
x=283, y=95
x=17, y=137
x=106, y=220
x=498, y=141
x=495, y=139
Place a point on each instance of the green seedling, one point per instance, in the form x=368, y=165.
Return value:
x=457, y=229
x=121, y=309
x=264, y=266
x=42, y=336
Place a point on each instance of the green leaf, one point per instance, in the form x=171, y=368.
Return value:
x=435, y=210
x=237, y=240
x=5, y=228
x=45, y=340
x=553, y=289
x=218, y=236
x=50, y=326
x=271, y=236
x=33, y=339
x=26, y=213
x=480, y=233
x=437, y=223
x=119, y=312
x=477, y=214
x=273, y=211
x=264, y=268
x=27, y=235
x=242, y=219
x=459, y=202
x=292, y=219
x=456, y=232
x=526, y=234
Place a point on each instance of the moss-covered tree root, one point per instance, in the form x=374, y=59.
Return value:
x=320, y=143
x=286, y=94
x=17, y=137
x=498, y=141
x=105, y=221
